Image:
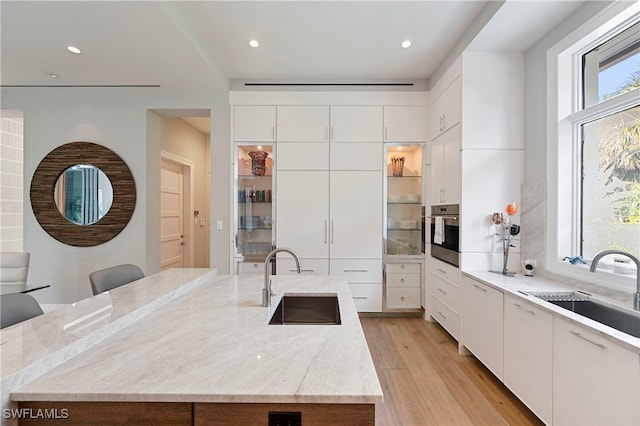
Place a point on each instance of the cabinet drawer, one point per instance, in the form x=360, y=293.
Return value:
x=406, y=268
x=445, y=271
x=367, y=296
x=287, y=266
x=448, y=318
x=250, y=267
x=445, y=291
x=403, y=280
x=403, y=298
x=358, y=270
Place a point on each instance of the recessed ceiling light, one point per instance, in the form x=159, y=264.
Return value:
x=52, y=75
x=405, y=44
x=254, y=43
x=74, y=49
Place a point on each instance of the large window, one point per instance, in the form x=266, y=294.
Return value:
x=593, y=144
x=608, y=133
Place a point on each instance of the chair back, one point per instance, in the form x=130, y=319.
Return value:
x=115, y=276
x=14, y=268
x=17, y=307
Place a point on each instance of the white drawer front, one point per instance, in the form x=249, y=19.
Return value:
x=403, y=298
x=358, y=270
x=447, y=318
x=444, y=270
x=403, y=280
x=250, y=267
x=445, y=291
x=405, y=268
x=287, y=266
x=367, y=296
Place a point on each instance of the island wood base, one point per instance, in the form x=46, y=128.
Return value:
x=185, y=413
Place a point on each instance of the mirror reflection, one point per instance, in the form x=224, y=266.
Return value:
x=83, y=194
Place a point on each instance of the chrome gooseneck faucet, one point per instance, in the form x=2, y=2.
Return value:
x=636, y=295
x=266, y=290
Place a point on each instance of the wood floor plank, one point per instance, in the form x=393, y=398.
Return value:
x=426, y=382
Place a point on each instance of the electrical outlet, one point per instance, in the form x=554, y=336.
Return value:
x=202, y=222
x=219, y=224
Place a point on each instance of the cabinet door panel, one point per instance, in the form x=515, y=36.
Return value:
x=367, y=296
x=451, y=154
x=356, y=124
x=303, y=156
x=302, y=218
x=356, y=214
x=595, y=381
x=303, y=123
x=254, y=123
x=403, y=297
x=528, y=354
x=356, y=156
x=405, y=124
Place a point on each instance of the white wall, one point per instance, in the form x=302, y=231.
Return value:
x=117, y=118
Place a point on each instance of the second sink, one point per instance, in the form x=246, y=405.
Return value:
x=307, y=309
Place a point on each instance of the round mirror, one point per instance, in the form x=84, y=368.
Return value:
x=53, y=202
x=83, y=194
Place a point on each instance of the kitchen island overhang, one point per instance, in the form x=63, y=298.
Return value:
x=213, y=345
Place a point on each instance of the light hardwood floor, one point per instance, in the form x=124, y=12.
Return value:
x=426, y=382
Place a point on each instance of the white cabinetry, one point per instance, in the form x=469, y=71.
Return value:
x=329, y=194
x=446, y=109
x=402, y=286
x=445, y=167
x=528, y=355
x=483, y=324
x=254, y=123
x=405, y=124
x=445, y=296
x=595, y=381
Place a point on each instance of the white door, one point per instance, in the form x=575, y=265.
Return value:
x=171, y=215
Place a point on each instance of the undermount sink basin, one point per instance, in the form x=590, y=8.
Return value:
x=307, y=309
x=618, y=318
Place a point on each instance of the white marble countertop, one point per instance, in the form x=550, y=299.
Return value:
x=213, y=344
x=519, y=284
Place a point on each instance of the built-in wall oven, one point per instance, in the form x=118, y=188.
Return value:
x=445, y=233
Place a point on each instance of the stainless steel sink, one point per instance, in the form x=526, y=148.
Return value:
x=582, y=304
x=307, y=309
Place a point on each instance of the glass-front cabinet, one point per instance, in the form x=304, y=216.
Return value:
x=404, y=227
x=254, y=233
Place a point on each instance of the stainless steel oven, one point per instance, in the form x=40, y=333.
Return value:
x=445, y=233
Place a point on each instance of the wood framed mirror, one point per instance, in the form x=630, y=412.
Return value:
x=51, y=217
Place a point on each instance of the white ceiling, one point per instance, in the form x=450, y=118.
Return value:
x=200, y=45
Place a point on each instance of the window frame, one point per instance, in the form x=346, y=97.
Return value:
x=565, y=115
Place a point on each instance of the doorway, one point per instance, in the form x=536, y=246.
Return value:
x=176, y=242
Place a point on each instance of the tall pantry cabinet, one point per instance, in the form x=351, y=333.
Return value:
x=329, y=194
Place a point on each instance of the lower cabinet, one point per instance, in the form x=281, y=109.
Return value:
x=528, y=355
x=402, y=286
x=595, y=381
x=445, y=297
x=483, y=324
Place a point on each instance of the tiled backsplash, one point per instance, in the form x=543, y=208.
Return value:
x=11, y=183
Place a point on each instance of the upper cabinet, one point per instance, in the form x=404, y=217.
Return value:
x=356, y=124
x=405, y=124
x=303, y=123
x=254, y=123
x=445, y=109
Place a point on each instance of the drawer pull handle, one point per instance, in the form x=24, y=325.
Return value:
x=442, y=270
x=517, y=305
x=441, y=291
x=402, y=298
x=355, y=270
x=302, y=270
x=480, y=288
x=580, y=336
x=255, y=265
x=359, y=297
x=401, y=280
x=442, y=315
x=401, y=266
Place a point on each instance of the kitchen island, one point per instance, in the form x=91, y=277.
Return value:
x=209, y=356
